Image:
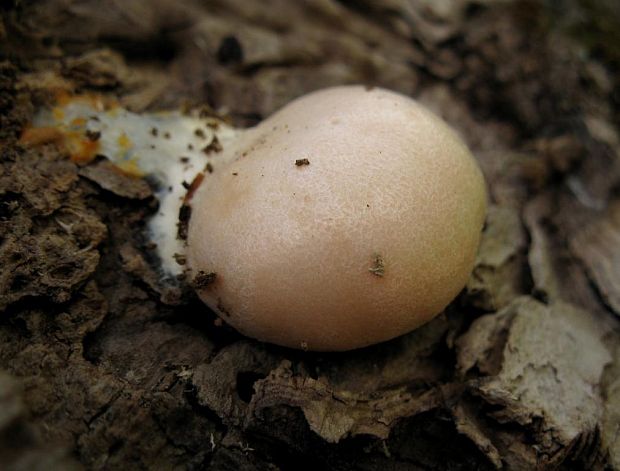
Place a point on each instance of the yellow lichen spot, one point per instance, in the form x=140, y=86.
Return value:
x=130, y=167
x=81, y=149
x=58, y=113
x=124, y=142
x=32, y=137
x=78, y=122
x=62, y=97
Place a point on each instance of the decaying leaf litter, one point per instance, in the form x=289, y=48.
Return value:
x=104, y=366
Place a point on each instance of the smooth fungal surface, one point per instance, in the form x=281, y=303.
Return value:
x=373, y=234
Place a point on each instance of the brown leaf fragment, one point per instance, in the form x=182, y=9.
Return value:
x=547, y=365
x=335, y=414
x=598, y=248
x=109, y=177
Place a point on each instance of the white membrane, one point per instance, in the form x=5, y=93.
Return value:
x=170, y=148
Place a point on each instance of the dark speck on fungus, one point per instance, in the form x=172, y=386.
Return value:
x=203, y=279
x=213, y=146
x=185, y=214
x=378, y=266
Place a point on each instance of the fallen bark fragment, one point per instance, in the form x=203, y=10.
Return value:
x=469, y=422
x=498, y=273
x=551, y=220
x=541, y=367
x=598, y=247
x=334, y=414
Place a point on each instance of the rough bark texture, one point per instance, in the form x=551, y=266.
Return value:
x=104, y=367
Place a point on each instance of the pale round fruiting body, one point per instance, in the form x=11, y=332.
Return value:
x=369, y=238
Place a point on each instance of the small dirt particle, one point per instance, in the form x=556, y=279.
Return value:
x=300, y=162
x=214, y=146
x=184, y=214
x=93, y=135
x=378, y=267
x=203, y=279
